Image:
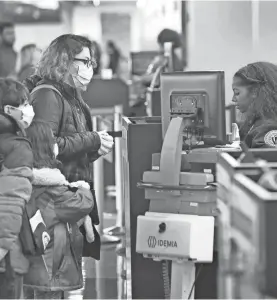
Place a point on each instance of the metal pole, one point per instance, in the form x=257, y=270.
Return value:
x=118, y=230
x=118, y=167
x=98, y=174
x=182, y=279
x=98, y=178
x=120, y=280
x=255, y=24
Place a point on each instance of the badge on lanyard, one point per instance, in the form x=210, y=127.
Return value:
x=271, y=138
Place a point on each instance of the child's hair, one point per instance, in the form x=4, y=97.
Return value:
x=13, y=93
x=42, y=139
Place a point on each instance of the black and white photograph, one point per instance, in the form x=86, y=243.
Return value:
x=138, y=149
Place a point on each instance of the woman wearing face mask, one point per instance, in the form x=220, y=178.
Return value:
x=64, y=71
x=255, y=96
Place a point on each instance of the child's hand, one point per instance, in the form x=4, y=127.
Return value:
x=89, y=230
x=79, y=184
x=3, y=253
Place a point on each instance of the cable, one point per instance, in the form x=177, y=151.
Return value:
x=166, y=279
x=197, y=274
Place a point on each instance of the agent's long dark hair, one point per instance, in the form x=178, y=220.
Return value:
x=42, y=139
x=260, y=78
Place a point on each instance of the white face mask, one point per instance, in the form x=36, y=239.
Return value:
x=23, y=114
x=84, y=75
x=56, y=150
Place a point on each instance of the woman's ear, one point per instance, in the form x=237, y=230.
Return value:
x=13, y=112
x=254, y=92
x=7, y=110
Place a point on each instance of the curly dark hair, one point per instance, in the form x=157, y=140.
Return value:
x=42, y=139
x=169, y=36
x=13, y=93
x=58, y=57
x=260, y=78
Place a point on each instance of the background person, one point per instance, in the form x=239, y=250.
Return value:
x=165, y=36
x=114, y=57
x=8, y=56
x=29, y=57
x=98, y=56
x=160, y=61
x=255, y=96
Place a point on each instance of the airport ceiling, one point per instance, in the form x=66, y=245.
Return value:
x=28, y=12
x=42, y=11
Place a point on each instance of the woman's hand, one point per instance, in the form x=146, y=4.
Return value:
x=79, y=184
x=3, y=253
x=107, y=143
x=89, y=229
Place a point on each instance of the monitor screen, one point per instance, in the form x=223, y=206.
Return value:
x=141, y=61
x=198, y=96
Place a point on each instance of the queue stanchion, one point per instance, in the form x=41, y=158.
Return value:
x=98, y=177
x=118, y=229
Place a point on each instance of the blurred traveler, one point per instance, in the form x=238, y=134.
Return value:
x=159, y=64
x=29, y=58
x=165, y=36
x=255, y=96
x=7, y=54
x=16, y=163
x=64, y=71
x=114, y=57
x=61, y=206
x=97, y=54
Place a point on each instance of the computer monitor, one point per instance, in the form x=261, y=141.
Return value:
x=141, y=60
x=102, y=93
x=200, y=97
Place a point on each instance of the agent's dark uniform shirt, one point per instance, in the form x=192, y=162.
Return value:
x=263, y=134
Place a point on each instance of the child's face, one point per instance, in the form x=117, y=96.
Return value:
x=23, y=114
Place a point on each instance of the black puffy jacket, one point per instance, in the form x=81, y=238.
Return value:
x=70, y=119
x=16, y=175
x=60, y=268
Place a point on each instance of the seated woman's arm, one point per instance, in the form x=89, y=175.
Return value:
x=265, y=136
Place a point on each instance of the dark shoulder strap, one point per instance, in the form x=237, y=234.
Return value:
x=31, y=207
x=51, y=87
x=46, y=86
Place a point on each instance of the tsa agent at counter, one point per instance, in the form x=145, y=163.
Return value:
x=255, y=96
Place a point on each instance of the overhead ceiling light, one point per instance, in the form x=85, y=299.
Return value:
x=96, y=2
x=141, y=3
x=49, y=4
x=19, y=10
x=36, y=14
